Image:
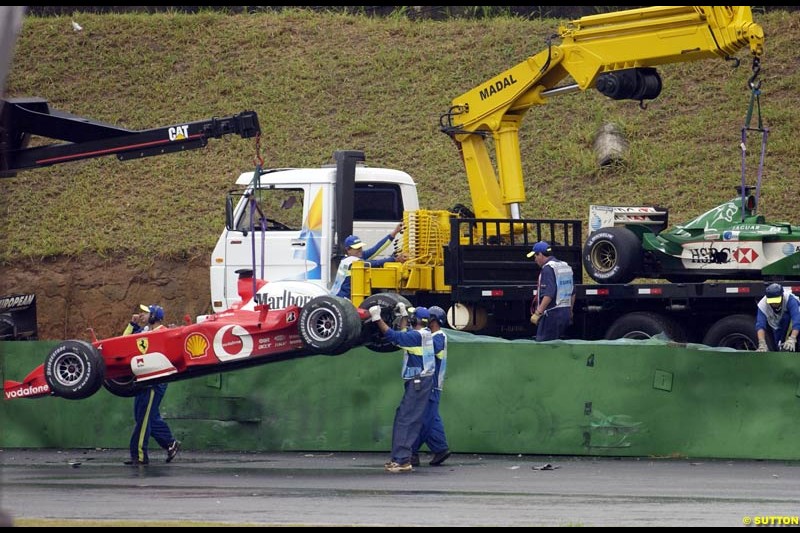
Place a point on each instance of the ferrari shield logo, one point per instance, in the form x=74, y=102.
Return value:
x=142, y=344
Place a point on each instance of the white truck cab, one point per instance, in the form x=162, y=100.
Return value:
x=288, y=224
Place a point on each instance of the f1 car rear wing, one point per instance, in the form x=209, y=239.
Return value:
x=605, y=216
x=22, y=117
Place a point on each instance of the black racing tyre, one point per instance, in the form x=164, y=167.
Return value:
x=371, y=336
x=8, y=330
x=352, y=325
x=612, y=255
x=323, y=324
x=736, y=331
x=644, y=325
x=74, y=370
x=123, y=387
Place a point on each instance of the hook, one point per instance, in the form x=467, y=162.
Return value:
x=736, y=61
x=756, y=71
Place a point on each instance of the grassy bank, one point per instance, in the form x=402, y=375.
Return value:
x=322, y=82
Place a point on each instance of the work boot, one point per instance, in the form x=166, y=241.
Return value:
x=440, y=457
x=172, y=450
x=396, y=468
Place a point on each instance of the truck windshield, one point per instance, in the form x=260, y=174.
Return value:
x=281, y=210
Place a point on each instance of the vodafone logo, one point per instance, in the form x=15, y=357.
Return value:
x=27, y=391
x=745, y=255
x=232, y=342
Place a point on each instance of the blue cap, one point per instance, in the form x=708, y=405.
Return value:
x=774, y=293
x=437, y=313
x=353, y=242
x=539, y=248
x=422, y=313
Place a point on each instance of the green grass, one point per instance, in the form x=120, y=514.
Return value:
x=322, y=82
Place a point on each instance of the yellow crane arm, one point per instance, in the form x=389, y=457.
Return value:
x=614, y=52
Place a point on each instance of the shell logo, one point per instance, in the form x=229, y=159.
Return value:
x=197, y=345
x=238, y=339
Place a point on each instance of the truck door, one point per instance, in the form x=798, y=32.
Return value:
x=285, y=223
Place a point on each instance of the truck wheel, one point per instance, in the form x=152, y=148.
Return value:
x=645, y=325
x=324, y=324
x=735, y=331
x=371, y=337
x=74, y=370
x=612, y=255
x=123, y=387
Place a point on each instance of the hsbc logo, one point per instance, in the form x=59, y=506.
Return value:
x=745, y=255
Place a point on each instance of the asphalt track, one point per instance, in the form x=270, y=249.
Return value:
x=330, y=489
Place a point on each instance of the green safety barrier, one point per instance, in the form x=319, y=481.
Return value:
x=606, y=398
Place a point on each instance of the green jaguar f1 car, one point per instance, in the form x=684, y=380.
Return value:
x=728, y=242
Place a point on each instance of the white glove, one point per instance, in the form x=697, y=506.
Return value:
x=535, y=318
x=789, y=344
x=375, y=313
x=762, y=346
x=400, y=309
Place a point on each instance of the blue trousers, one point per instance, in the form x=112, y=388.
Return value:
x=553, y=324
x=149, y=423
x=409, y=416
x=432, y=432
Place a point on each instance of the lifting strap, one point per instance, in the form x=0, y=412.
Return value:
x=755, y=102
x=255, y=208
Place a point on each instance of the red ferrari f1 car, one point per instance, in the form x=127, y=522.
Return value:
x=284, y=320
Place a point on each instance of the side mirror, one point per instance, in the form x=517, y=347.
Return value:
x=229, y=212
x=289, y=202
